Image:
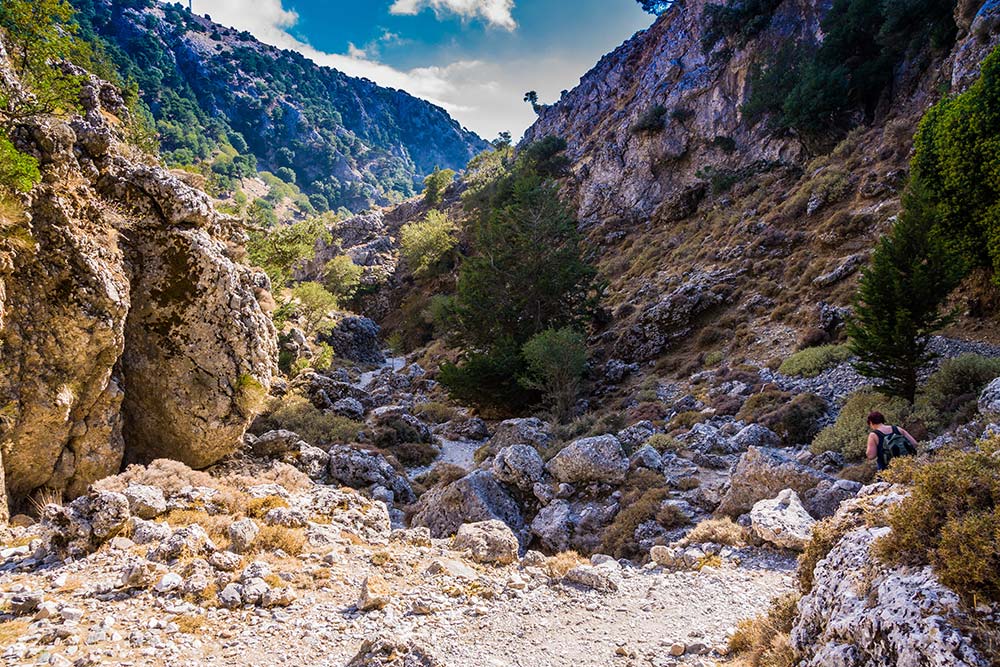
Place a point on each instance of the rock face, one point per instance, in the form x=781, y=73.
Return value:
x=355, y=338
x=128, y=329
x=763, y=473
x=783, y=521
x=989, y=399
x=861, y=613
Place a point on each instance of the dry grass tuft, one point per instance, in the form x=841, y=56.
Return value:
x=259, y=507
x=717, y=531
x=216, y=525
x=11, y=631
x=763, y=641
x=189, y=625
x=271, y=538
x=557, y=566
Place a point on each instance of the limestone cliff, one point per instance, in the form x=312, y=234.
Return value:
x=129, y=329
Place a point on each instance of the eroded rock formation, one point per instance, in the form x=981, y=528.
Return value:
x=129, y=328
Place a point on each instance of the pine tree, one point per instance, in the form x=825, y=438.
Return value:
x=898, y=306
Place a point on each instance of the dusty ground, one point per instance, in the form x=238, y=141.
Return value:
x=488, y=616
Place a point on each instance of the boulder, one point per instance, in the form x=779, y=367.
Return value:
x=356, y=339
x=490, y=542
x=604, y=578
x=636, y=435
x=646, y=457
x=389, y=652
x=525, y=431
x=519, y=465
x=276, y=443
x=755, y=435
x=598, y=459
x=476, y=497
x=824, y=500
x=242, y=534
x=361, y=469
x=783, y=521
x=761, y=474
x=109, y=513
x=145, y=502
x=554, y=526
x=989, y=398
x=350, y=408
x=375, y=593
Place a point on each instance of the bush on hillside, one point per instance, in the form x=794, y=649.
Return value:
x=849, y=434
x=794, y=418
x=426, y=243
x=950, y=394
x=435, y=185
x=950, y=520
x=812, y=361
x=556, y=360
x=651, y=120
x=314, y=305
x=342, y=277
x=642, y=494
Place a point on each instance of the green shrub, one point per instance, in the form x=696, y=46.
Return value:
x=951, y=520
x=18, y=171
x=556, y=360
x=342, y=277
x=950, y=394
x=437, y=413
x=849, y=434
x=687, y=419
x=662, y=442
x=650, y=121
x=798, y=420
x=315, y=304
x=426, y=243
x=414, y=454
x=435, y=185
x=812, y=361
x=297, y=413
x=642, y=494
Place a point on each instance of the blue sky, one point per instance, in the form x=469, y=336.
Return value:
x=476, y=58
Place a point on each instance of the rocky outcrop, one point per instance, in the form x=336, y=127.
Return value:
x=761, y=474
x=129, y=329
x=356, y=339
x=862, y=612
x=598, y=459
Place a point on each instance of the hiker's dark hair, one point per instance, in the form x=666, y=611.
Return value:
x=876, y=417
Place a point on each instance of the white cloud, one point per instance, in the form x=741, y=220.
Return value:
x=484, y=96
x=497, y=13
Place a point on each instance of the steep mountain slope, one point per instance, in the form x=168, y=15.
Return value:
x=702, y=214
x=347, y=141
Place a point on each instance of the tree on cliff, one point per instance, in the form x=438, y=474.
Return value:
x=656, y=6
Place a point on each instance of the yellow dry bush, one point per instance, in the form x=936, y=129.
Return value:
x=271, y=538
x=717, y=531
x=557, y=566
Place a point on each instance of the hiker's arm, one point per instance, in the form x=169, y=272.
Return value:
x=872, y=446
x=908, y=436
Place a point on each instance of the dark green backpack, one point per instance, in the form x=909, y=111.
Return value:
x=891, y=445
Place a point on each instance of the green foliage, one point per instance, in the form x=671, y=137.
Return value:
x=651, y=120
x=297, y=414
x=435, y=185
x=556, y=360
x=950, y=520
x=435, y=412
x=898, y=304
x=427, y=243
x=794, y=418
x=662, y=442
x=38, y=34
x=849, y=434
x=956, y=163
x=812, y=361
x=739, y=20
x=18, y=171
x=526, y=273
x=816, y=90
x=949, y=397
x=315, y=304
x=279, y=249
x=342, y=277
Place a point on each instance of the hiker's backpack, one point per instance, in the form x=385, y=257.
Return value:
x=891, y=445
